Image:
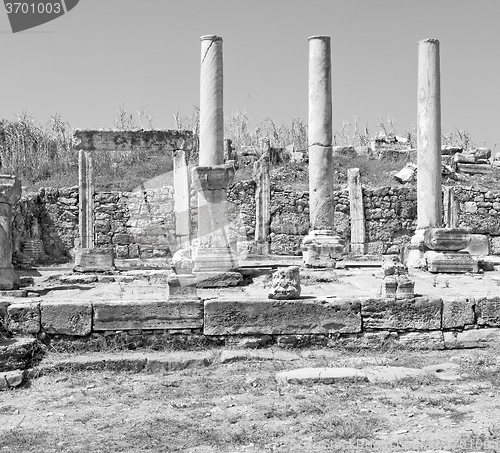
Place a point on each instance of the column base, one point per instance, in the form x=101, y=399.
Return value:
x=451, y=262
x=9, y=279
x=215, y=267
x=322, y=248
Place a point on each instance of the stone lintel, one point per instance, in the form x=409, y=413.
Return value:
x=213, y=178
x=130, y=140
x=141, y=314
x=259, y=316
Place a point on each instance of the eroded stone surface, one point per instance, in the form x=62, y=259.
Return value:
x=151, y=314
x=176, y=361
x=488, y=311
x=472, y=338
x=322, y=375
x=421, y=313
x=265, y=316
x=447, y=371
x=391, y=373
x=286, y=283
x=452, y=262
x=17, y=352
x=458, y=312
x=24, y=318
x=11, y=379
x=447, y=239
x=74, y=318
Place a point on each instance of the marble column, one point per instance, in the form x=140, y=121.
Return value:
x=321, y=246
x=429, y=204
x=436, y=248
x=10, y=192
x=214, y=259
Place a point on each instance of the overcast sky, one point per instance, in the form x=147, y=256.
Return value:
x=145, y=54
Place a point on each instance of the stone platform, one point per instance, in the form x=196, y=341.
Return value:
x=343, y=304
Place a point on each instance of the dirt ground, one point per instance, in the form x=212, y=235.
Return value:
x=239, y=407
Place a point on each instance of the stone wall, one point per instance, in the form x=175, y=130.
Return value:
x=142, y=224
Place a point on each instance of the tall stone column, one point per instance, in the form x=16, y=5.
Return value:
x=10, y=192
x=214, y=259
x=438, y=249
x=429, y=204
x=321, y=247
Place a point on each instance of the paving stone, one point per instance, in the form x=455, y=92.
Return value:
x=147, y=314
x=232, y=355
x=488, y=311
x=24, y=318
x=458, y=312
x=71, y=318
x=321, y=375
x=447, y=371
x=391, y=373
x=11, y=379
x=176, y=361
x=421, y=313
x=281, y=317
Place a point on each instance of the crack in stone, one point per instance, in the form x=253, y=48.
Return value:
x=208, y=50
x=319, y=144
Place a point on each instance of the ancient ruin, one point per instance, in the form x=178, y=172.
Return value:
x=215, y=260
x=321, y=247
x=438, y=248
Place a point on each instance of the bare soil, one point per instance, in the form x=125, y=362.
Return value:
x=239, y=407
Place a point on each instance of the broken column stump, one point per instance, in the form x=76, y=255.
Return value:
x=286, y=284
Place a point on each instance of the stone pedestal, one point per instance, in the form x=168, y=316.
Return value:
x=92, y=260
x=321, y=247
x=10, y=192
x=454, y=262
x=396, y=284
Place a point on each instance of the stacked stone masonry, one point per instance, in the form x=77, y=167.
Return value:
x=142, y=224
x=420, y=322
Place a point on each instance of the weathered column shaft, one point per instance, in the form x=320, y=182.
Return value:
x=181, y=199
x=261, y=170
x=320, y=134
x=357, y=213
x=86, y=199
x=211, y=102
x=429, y=204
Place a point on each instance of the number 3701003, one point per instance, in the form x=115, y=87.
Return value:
x=33, y=8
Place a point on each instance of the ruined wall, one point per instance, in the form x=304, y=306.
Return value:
x=136, y=224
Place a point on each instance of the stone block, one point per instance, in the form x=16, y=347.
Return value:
x=447, y=239
x=150, y=314
x=449, y=262
x=17, y=352
x=90, y=260
x=24, y=318
x=474, y=338
x=474, y=168
x=495, y=245
x=182, y=286
x=66, y=318
x=286, y=284
x=277, y=317
x=421, y=313
x=488, y=311
x=465, y=158
x=322, y=248
x=217, y=279
x=458, y=312
x=479, y=245
x=482, y=153
x=321, y=375
x=422, y=340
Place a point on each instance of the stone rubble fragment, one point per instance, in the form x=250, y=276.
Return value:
x=286, y=284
